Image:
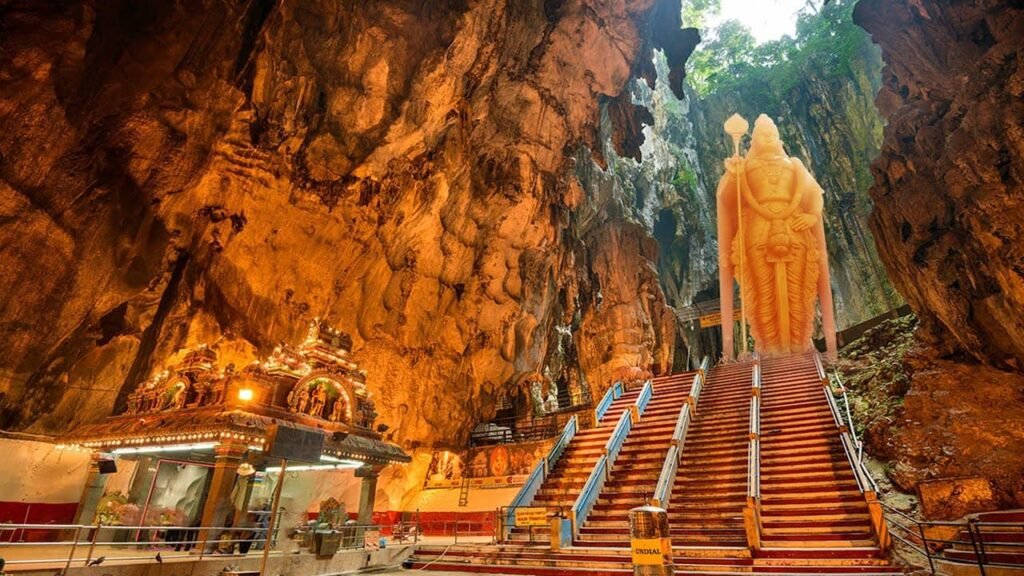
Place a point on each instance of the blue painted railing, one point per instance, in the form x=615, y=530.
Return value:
x=602, y=470
x=618, y=437
x=588, y=495
x=595, y=482
x=644, y=398
x=536, y=478
x=556, y=451
x=613, y=394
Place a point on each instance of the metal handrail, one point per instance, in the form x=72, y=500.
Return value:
x=618, y=437
x=819, y=366
x=666, y=479
x=682, y=425
x=663, y=490
x=915, y=534
x=755, y=416
x=852, y=445
x=588, y=494
x=81, y=545
x=595, y=482
x=611, y=395
x=849, y=415
x=525, y=495
x=754, y=468
x=568, y=433
x=754, y=446
x=699, y=378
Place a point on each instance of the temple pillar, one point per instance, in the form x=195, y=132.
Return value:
x=219, y=505
x=367, y=492
x=242, y=504
x=95, y=484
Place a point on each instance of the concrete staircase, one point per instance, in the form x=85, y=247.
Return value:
x=542, y=561
x=999, y=538
x=564, y=482
x=812, y=510
x=814, y=519
x=710, y=491
x=636, y=471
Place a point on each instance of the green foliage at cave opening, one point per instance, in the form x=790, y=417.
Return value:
x=826, y=43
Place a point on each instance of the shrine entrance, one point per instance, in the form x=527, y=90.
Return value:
x=190, y=449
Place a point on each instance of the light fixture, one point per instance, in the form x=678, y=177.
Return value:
x=245, y=394
x=245, y=469
x=345, y=465
x=332, y=459
x=172, y=448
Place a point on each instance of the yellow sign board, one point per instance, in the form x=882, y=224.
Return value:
x=531, y=516
x=715, y=318
x=651, y=551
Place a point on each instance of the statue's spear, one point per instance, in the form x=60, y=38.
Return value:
x=736, y=127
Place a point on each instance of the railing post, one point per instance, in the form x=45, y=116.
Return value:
x=926, y=548
x=92, y=544
x=74, y=545
x=881, y=529
x=752, y=512
x=203, y=542
x=979, y=551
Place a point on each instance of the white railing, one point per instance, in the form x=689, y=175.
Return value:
x=754, y=450
x=56, y=548
x=663, y=490
x=852, y=445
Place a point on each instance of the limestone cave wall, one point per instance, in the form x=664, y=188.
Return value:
x=179, y=172
x=949, y=191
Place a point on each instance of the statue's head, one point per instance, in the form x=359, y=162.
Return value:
x=765, y=138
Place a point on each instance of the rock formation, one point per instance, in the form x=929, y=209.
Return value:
x=949, y=185
x=933, y=418
x=949, y=192
x=184, y=172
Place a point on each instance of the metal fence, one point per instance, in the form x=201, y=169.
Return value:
x=63, y=546
x=975, y=543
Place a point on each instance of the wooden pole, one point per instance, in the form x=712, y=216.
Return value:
x=273, y=517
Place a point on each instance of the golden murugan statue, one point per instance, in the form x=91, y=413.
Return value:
x=771, y=239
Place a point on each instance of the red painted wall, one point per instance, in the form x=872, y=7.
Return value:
x=34, y=513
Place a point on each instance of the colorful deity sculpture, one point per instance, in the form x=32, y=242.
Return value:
x=319, y=401
x=772, y=241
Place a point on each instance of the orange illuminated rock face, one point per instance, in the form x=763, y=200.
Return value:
x=949, y=197
x=198, y=172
